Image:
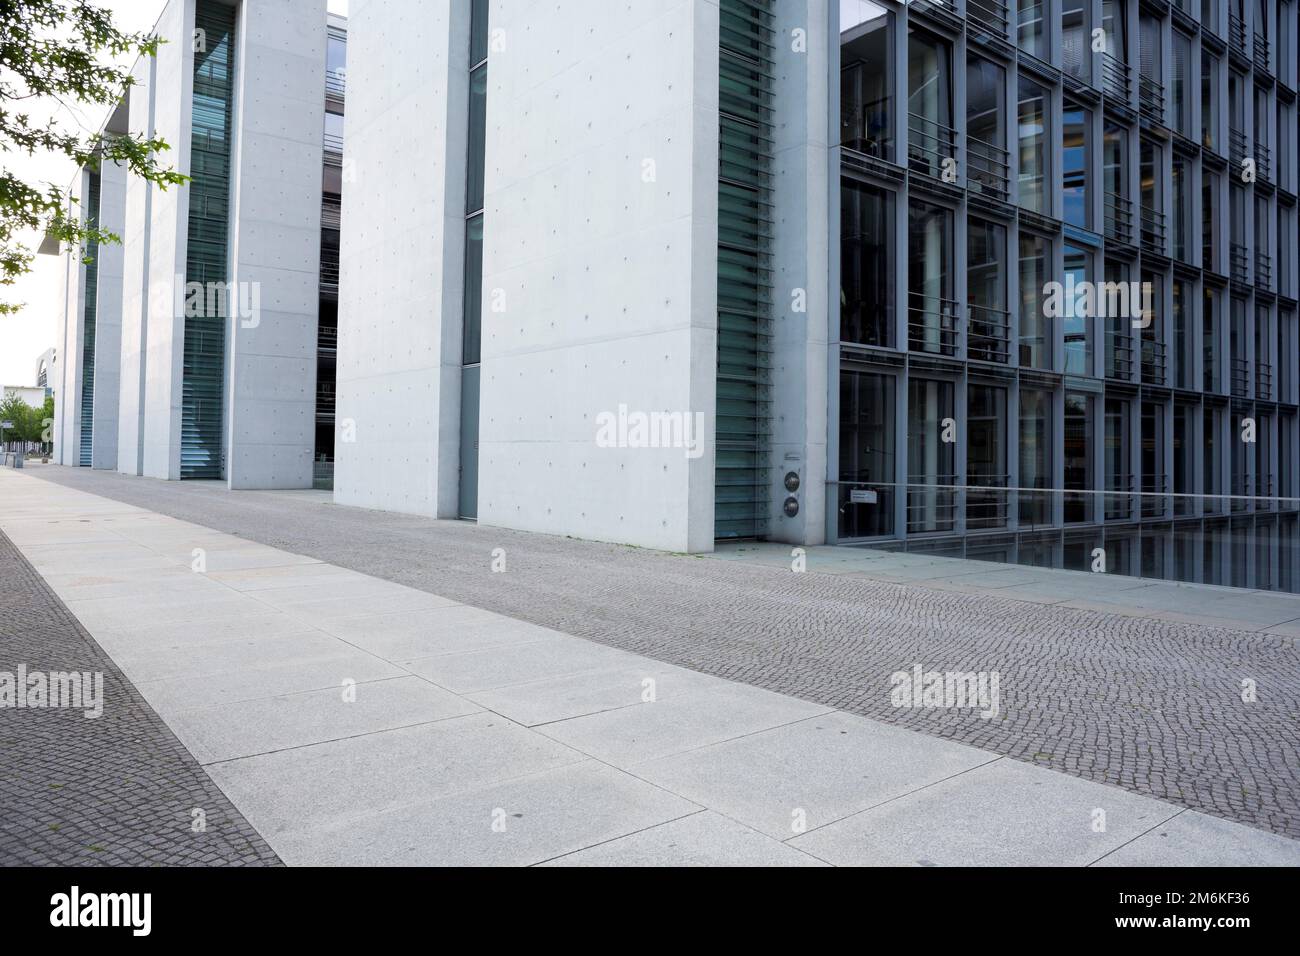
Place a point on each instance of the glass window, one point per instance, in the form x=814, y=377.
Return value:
x=1119, y=216
x=477, y=139
x=478, y=32
x=1035, y=456
x=1032, y=27
x=866, y=78
x=989, y=334
x=867, y=430
x=1182, y=98
x=931, y=318
x=473, y=291
x=1119, y=469
x=866, y=265
x=1076, y=39
x=1078, y=208
x=986, y=134
x=1209, y=100
x=1154, y=478
x=1153, y=214
x=986, y=455
x=1210, y=223
x=1184, y=357
x=1211, y=462
x=1211, y=367
x=1078, y=457
x=1077, y=318
x=1184, y=428
x=1180, y=187
x=930, y=456
x=1033, y=146
x=930, y=136
x=1035, y=341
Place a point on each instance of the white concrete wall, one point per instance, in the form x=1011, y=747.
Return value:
x=108, y=318
x=609, y=281
x=401, y=256
x=275, y=243
x=800, y=250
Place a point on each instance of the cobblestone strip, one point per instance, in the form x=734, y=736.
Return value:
x=1153, y=706
x=117, y=790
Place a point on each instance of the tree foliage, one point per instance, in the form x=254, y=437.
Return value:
x=62, y=51
x=29, y=423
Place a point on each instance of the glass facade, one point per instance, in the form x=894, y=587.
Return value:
x=331, y=218
x=1091, y=341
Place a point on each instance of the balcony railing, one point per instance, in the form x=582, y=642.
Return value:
x=1114, y=77
x=987, y=501
x=1264, y=381
x=988, y=336
x=1153, y=230
x=1263, y=162
x=1151, y=99
x=929, y=144
x=1240, y=378
x=1260, y=50
x=931, y=503
x=1118, y=223
x=329, y=274
x=990, y=14
x=1237, y=151
x=336, y=83
x=331, y=214
x=1238, y=262
x=1155, y=362
x=1154, y=487
x=1237, y=34
x=1263, y=270
x=932, y=324
x=988, y=170
x=327, y=338
x=1119, y=356
x=1119, y=500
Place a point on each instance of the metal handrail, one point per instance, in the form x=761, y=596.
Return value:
x=987, y=501
x=1154, y=487
x=1237, y=34
x=1119, y=355
x=1263, y=270
x=1153, y=230
x=929, y=329
x=931, y=503
x=929, y=157
x=1118, y=223
x=1239, y=262
x=1263, y=161
x=1155, y=362
x=989, y=168
x=1114, y=77
x=1151, y=98
x=1236, y=146
x=988, y=334
x=1240, y=378
x=336, y=82
x=1118, y=503
x=989, y=13
x=1260, y=50
x=1264, y=381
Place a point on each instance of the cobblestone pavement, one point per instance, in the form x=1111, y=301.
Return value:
x=1149, y=705
x=117, y=790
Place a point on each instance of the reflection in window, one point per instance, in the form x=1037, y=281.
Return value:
x=1075, y=316
x=930, y=135
x=1078, y=457
x=986, y=456
x=932, y=314
x=866, y=454
x=930, y=456
x=1119, y=469
x=866, y=78
x=986, y=134
x=1078, y=209
x=1032, y=27
x=989, y=333
x=1033, y=146
x=1076, y=39
x=866, y=266
x=1035, y=456
x=1035, y=342
x=1209, y=100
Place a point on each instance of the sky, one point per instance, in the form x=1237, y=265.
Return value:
x=24, y=337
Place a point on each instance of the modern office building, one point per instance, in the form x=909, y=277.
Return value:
x=193, y=346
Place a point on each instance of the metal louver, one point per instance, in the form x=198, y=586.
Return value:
x=85, y=456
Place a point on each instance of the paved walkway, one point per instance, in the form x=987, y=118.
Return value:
x=1142, y=702
x=356, y=720
x=114, y=790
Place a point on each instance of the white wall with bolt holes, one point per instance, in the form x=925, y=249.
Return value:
x=279, y=109
x=401, y=256
x=108, y=318
x=600, y=266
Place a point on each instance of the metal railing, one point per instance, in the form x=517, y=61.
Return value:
x=1118, y=218
x=1263, y=162
x=329, y=274
x=1151, y=99
x=988, y=169
x=987, y=501
x=1264, y=381
x=336, y=82
x=1240, y=384
x=988, y=334
x=1119, y=356
x=1118, y=502
x=1260, y=52
x=932, y=324
x=331, y=214
x=1155, y=362
x=931, y=503
x=333, y=144
x=1115, y=77
x=1153, y=230
x=929, y=143
x=1154, y=488
x=1263, y=270
x=1237, y=151
x=327, y=338
x=1238, y=262
x=1237, y=34
x=990, y=14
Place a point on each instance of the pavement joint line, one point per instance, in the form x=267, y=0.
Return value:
x=874, y=806
x=1180, y=812
x=251, y=700
x=645, y=829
